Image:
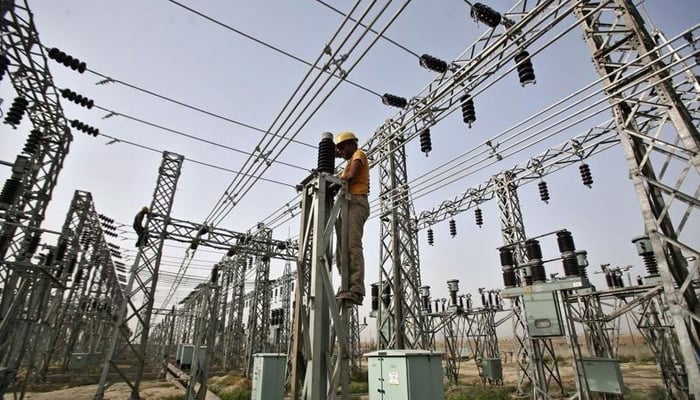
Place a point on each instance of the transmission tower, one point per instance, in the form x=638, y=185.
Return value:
x=143, y=277
x=658, y=132
x=400, y=324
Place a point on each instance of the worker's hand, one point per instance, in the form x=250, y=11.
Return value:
x=333, y=189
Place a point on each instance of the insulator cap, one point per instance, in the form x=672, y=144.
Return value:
x=394, y=101
x=485, y=14
x=326, y=153
x=425, y=143
x=433, y=63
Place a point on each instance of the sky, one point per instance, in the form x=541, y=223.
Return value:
x=247, y=72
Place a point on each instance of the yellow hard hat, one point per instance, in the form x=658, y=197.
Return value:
x=344, y=136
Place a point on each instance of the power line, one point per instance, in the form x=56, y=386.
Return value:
x=269, y=46
x=402, y=47
x=112, y=113
x=108, y=79
x=202, y=163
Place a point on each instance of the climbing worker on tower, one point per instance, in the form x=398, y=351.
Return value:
x=356, y=174
x=140, y=228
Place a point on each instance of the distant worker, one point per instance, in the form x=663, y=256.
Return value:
x=140, y=228
x=356, y=174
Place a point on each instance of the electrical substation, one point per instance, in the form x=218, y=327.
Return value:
x=94, y=300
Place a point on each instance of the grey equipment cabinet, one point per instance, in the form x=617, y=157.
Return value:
x=405, y=375
x=268, y=376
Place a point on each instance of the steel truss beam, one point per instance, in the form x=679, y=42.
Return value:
x=129, y=339
x=572, y=151
x=658, y=129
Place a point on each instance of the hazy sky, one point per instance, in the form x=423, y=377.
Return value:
x=161, y=47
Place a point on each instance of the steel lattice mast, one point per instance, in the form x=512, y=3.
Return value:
x=34, y=175
x=141, y=287
x=400, y=324
x=659, y=135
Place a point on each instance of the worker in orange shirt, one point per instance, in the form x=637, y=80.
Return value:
x=356, y=174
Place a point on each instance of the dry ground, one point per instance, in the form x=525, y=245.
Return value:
x=151, y=390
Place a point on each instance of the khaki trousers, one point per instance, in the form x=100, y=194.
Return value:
x=358, y=211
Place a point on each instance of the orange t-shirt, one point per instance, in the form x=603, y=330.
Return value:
x=359, y=184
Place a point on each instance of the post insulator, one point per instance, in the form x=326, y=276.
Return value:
x=507, y=264
x=544, y=191
x=326, y=154
x=433, y=63
x=487, y=15
x=65, y=59
x=425, y=144
x=14, y=115
x=526, y=72
x=478, y=216
x=394, y=101
x=431, y=237
x=586, y=177
x=453, y=228
x=468, y=112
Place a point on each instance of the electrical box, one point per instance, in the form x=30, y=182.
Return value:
x=542, y=314
x=492, y=368
x=405, y=375
x=186, y=355
x=603, y=375
x=268, y=376
x=178, y=353
x=78, y=361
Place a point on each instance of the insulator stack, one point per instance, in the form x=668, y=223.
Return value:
x=394, y=101
x=33, y=141
x=433, y=63
x=645, y=250
x=10, y=192
x=375, y=296
x=85, y=128
x=77, y=98
x=507, y=266
x=386, y=295
x=326, y=154
x=4, y=63
x=567, y=248
x=425, y=144
x=33, y=243
x=14, y=115
x=485, y=14
x=478, y=216
x=544, y=191
x=526, y=72
x=534, y=254
x=453, y=228
x=586, y=177
x=582, y=260
x=431, y=237
x=67, y=60
x=468, y=111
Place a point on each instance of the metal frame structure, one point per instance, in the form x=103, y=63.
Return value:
x=130, y=335
x=400, y=323
x=258, y=327
x=321, y=326
x=657, y=125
